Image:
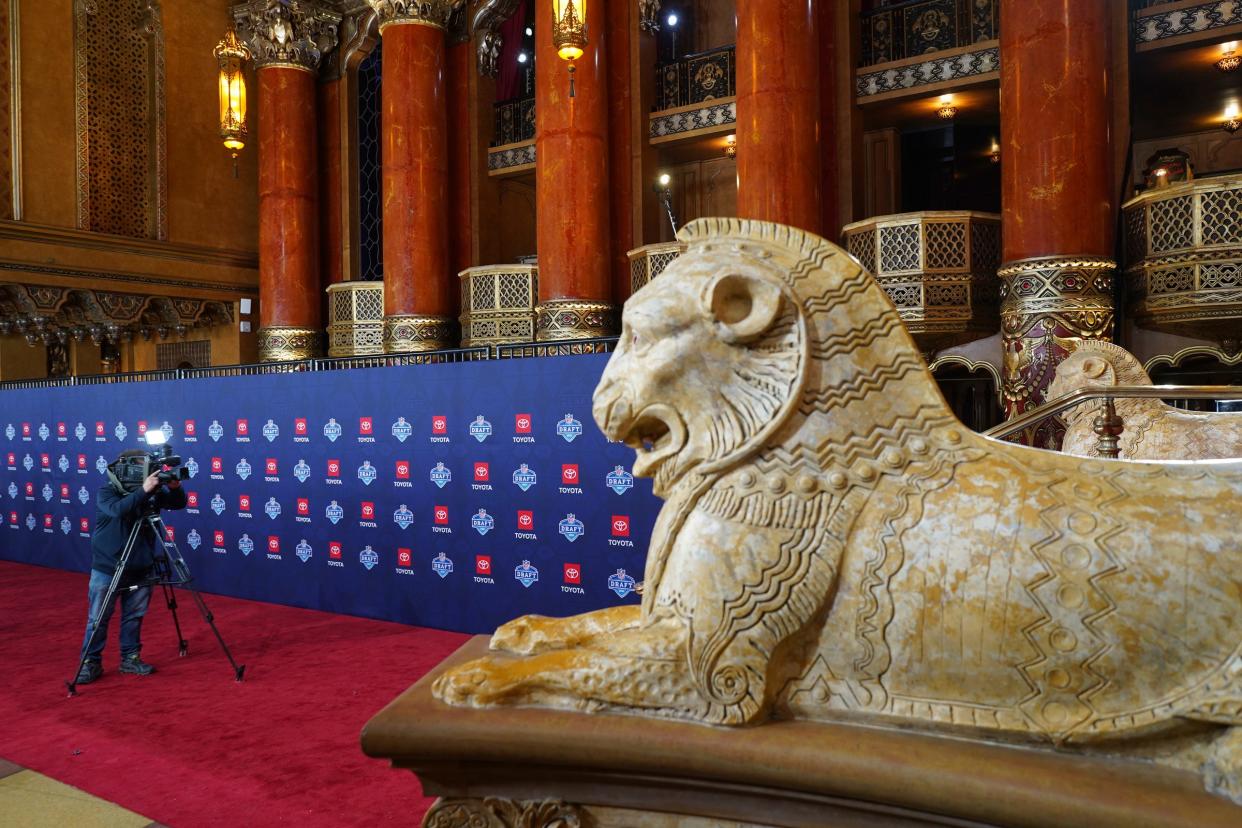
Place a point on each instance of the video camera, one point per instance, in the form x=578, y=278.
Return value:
x=132, y=468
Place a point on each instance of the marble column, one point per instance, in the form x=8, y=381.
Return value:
x=571, y=185
x=1057, y=199
x=288, y=40
x=778, y=112
x=418, y=279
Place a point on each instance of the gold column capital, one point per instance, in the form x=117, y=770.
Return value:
x=292, y=33
x=434, y=13
x=279, y=343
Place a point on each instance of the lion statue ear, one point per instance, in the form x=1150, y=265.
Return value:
x=744, y=307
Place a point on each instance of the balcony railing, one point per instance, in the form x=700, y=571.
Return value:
x=515, y=121
x=698, y=78
x=909, y=28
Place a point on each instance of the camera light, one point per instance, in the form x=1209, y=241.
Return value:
x=155, y=437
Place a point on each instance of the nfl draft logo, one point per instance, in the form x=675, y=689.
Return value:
x=194, y=539
x=31, y=522
x=272, y=508
x=303, y=551
x=83, y=495
x=441, y=476
x=47, y=492
x=9, y=431
x=619, y=480
x=215, y=431
x=334, y=512
x=28, y=462
x=332, y=430
x=217, y=504
x=569, y=428
x=526, y=574
x=101, y=465
x=524, y=478
x=191, y=466
x=480, y=429
x=63, y=464
x=403, y=517
x=301, y=471
x=621, y=583
x=271, y=431
x=483, y=522
x=121, y=432
x=65, y=525
x=368, y=557
x=366, y=472
x=13, y=490
x=570, y=527
x=44, y=431
x=441, y=565
x=402, y=430
x=80, y=432
x=243, y=469
x=245, y=545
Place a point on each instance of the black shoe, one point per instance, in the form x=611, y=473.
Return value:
x=90, y=671
x=134, y=664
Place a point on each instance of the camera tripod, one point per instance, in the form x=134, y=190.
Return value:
x=170, y=570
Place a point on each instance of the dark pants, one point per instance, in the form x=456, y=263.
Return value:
x=133, y=607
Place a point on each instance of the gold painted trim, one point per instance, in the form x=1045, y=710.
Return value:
x=415, y=333
x=280, y=343
x=1174, y=360
x=558, y=319
x=285, y=64
x=410, y=21
x=15, y=106
x=972, y=366
x=131, y=245
x=897, y=219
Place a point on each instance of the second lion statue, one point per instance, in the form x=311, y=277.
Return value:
x=835, y=545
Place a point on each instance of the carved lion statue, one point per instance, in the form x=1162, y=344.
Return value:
x=835, y=545
x=1154, y=430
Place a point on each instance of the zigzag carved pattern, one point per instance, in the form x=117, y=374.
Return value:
x=859, y=387
x=837, y=296
x=869, y=446
x=1028, y=632
x=1090, y=621
x=831, y=346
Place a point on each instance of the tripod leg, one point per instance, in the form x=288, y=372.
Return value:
x=109, y=597
x=170, y=597
x=182, y=570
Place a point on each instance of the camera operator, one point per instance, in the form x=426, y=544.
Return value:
x=115, y=516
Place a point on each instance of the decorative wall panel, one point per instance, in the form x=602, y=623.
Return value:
x=893, y=31
x=370, y=183
x=1163, y=23
x=6, y=110
x=170, y=355
x=515, y=121
x=119, y=92
x=934, y=70
x=697, y=78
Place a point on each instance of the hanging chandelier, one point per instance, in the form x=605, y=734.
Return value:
x=231, y=54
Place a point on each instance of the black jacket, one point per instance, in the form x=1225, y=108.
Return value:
x=114, y=519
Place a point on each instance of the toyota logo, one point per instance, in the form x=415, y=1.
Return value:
x=441, y=514
x=273, y=544
x=571, y=572
x=619, y=525
x=525, y=520
x=403, y=469
x=368, y=511
x=485, y=565
x=523, y=422
x=571, y=474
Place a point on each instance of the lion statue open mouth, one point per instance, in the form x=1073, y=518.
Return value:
x=836, y=545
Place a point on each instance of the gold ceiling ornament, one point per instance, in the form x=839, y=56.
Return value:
x=434, y=13
x=231, y=54
x=569, y=33
x=291, y=33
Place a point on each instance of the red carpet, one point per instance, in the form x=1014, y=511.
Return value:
x=189, y=746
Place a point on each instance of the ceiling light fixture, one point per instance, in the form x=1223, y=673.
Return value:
x=1232, y=122
x=1229, y=59
x=947, y=110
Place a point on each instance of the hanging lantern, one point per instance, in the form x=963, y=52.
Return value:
x=569, y=32
x=231, y=53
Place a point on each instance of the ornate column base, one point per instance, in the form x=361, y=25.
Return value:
x=411, y=333
x=575, y=319
x=494, y=812
x=1049, y=304
x=280, y=343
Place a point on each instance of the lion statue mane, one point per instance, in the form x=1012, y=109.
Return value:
x=1153, y=429
x=836, y=545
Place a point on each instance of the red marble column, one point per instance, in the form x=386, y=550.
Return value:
x=331, y=193
x=1057, y=200
x=461, y=227
x=289, y=305
x=623, y=154
x=418, y=283
x=778, y=112
x=571, y=185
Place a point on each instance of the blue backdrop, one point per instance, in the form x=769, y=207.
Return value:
x=451, y=496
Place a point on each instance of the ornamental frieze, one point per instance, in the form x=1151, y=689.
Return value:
x=295, y=33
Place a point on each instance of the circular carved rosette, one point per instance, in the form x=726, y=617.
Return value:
x=1049, y=305
x=285, y=344
x=504, y=813
x=411, y=333
x=575, y=319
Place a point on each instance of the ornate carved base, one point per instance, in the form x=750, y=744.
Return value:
x=493, y=812
x=1048, y=305
x=279, y=343
x=575, y=319
x=411, y=333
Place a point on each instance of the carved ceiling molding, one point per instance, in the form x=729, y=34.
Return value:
x=50, y=314
x=488, y=18
x=649, y=16
x=434, y=13
x=294, y=33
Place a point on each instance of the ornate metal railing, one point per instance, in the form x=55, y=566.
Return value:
x=649, y=261
x=698, y=78
x=565, y=347
x=1109, y=426
x=938, y=267
x=515, y=121
x=909, y=28
x=1184, y=258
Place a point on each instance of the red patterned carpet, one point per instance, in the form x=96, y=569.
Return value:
x=188, y=746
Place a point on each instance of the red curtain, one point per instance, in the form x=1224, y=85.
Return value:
x=512, y=33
